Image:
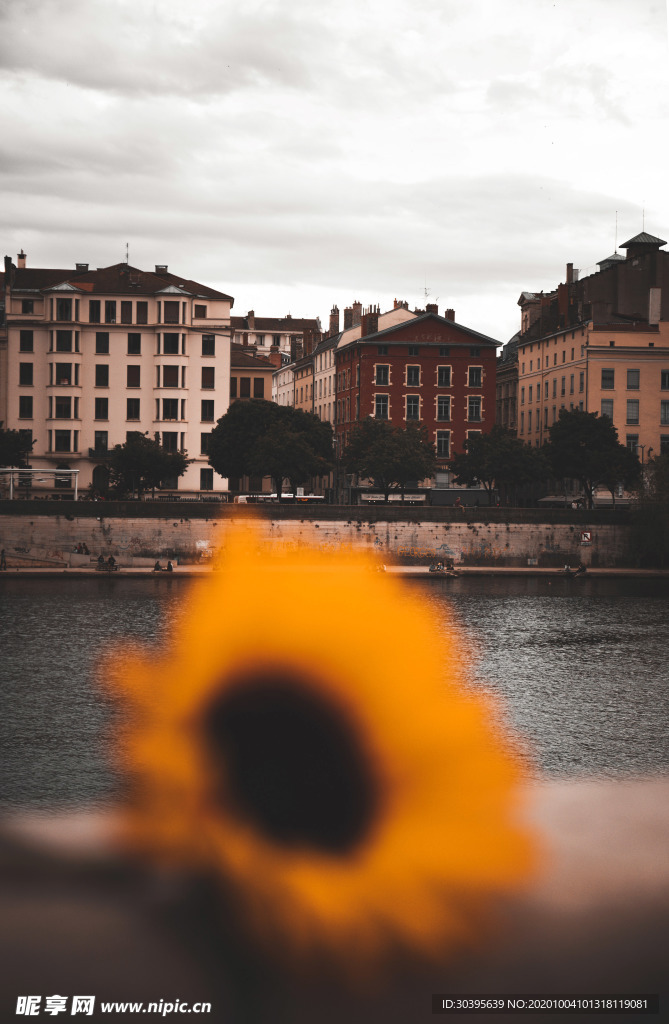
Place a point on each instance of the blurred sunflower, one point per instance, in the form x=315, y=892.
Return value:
x=306, y=739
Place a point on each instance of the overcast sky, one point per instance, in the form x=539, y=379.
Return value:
x=300, y=153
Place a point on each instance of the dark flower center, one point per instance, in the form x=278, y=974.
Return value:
x=292, y=763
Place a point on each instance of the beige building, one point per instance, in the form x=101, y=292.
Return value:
x=600, y=344
x=93, y=355
x=289, y=335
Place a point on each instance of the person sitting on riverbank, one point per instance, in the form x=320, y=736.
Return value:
x=170, y=567
x=101, y=561
x=158, y=567
x=111, y=562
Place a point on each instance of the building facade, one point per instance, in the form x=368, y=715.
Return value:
x=601, y=344
x=94, y=355
x=426, y=370
x=289, y=335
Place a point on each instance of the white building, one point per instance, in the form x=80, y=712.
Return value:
x=93, y=355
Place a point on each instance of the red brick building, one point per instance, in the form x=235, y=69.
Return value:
x=428, y=370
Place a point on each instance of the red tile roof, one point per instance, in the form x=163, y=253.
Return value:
x=119, y=279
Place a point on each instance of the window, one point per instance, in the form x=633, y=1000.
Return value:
x=110, y=311
x=170, y=376
x=444, y=444
x=171, y=313
x=529, y=393
x=25, y=341
x=632, y=442
x=170, y=408
x=444, y=376
x=207, y=410
x=208, y=345
x=571, y=383
x=444, y=350
x=134, y=344
x=132, y=409
x=199, y=312
x=25, y=375
x=258, y=387
x=529, y=421
x=381, y=407
x=522, y=396
x=522, y=422
x=632, y=410
x=171, y=344
x=101, y=408
x=132, y=376
x=664, y=413
x=63, y=341
x=382, y=350
x=233, y=387
x=664, y=443
x=413, y=407
x=101, y=375
x=581, y=381
x=546, y=389
x=142, y=312
x=563, y=385
x=101, y=440
x=102, y=342
x=664, y=380
x=204, y=443
x=608, y=380
x=27, y=305
x=475, y=376
x=476, y=352
x=554, y=387
x=126, y=312
x=633, y=380
x=206, y=479
x=244, y=387
x=607, y=408
x=62, y=440
x=413, y=376
x=382, y=376
x=25, y=407
x=63, y=373
x=94, y=311
x=413, y=350
x=64, y=312
x=208, y=381
x=443, y=407
x=474, y=409
x=170, y=440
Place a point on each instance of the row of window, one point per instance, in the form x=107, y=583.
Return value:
x=166, y=344
x=444, y=350
x=632, y=413
x=67, y=310
x=633, y=379
x=412, y=376
x=166, y=376
x=244, y=389
x=66, y=407
x=412, y=407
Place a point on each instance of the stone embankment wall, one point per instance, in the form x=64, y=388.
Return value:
x=474, y=537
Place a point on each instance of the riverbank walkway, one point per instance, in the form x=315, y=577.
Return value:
x=404, y=571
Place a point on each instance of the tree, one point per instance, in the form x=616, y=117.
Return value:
x=141, y=463
x=585, y=446
x=15, y=448
x=391, y=456
x=260, y=437
x=497, y=459
x=649, y=535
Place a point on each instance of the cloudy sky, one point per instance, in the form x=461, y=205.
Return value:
x=300, y=153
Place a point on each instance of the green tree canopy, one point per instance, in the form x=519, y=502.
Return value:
x=497, y=459
x=141, y=464
x=391, y=456
x=266, y=439
x=649, y=535
x=585, y=446
x=15, y=448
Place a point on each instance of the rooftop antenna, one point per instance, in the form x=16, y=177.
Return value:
x=127, y=253
x=616, y=248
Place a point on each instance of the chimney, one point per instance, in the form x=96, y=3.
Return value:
x=334, y=321
x=357, y=313
x=251, y=320
x=161, y=268
x=432, y=307
x=245, y=339
x=369, y=323
x=654, y=305
x=310, y=337
x=449, y=314
x=570, y=273
x=21, y=260
x=348, y=317
x=275, y=356
x=81, y=268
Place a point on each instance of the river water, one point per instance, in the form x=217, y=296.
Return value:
x=579, y=665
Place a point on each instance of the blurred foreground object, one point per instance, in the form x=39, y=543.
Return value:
x=321, y=764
